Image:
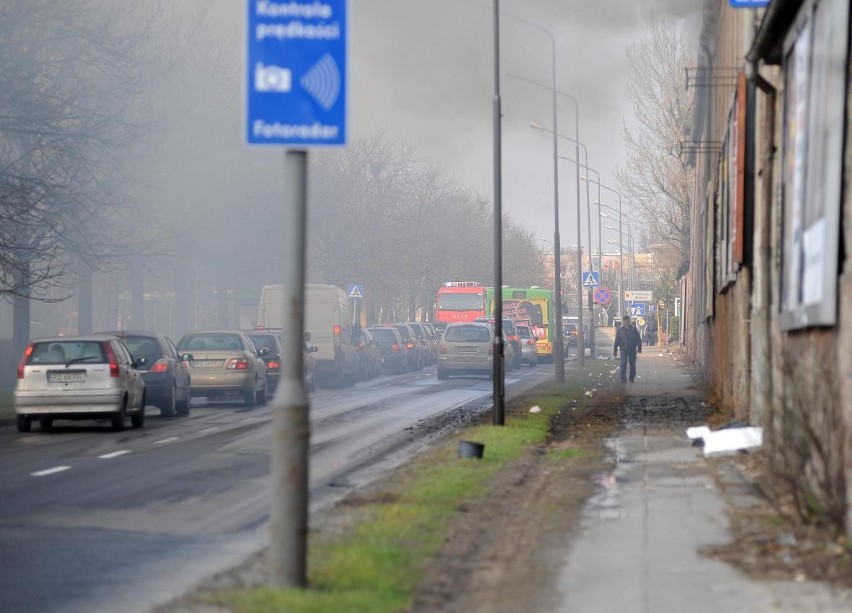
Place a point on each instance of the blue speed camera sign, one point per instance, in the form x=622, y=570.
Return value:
x=296, y=73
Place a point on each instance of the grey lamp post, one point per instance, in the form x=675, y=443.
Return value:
x=585, y=164
x=576, y=140
x=558, y=346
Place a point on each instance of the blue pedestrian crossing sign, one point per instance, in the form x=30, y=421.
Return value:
x=638, y=309
x=296, y=73
x=590, y=279
x=355, y=291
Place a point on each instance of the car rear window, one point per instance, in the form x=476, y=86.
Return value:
x=404, y=332
x=63, y=352
x=143, y=347
x=211, y=342
x=467, y=334
x=384, y=335
x=263, y=341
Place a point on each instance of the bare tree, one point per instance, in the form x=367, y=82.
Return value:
x=656, y=176
x=381, y=216
x=66, y=107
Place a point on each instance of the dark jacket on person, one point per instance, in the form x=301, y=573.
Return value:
x=628, y=339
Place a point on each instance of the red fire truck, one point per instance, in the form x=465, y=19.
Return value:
x=459, y=301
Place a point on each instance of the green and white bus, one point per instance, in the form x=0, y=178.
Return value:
x=532, y=306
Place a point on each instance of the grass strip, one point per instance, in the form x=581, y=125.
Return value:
x=375, y=565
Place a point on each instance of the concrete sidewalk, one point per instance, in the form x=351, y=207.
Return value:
x=638, y=549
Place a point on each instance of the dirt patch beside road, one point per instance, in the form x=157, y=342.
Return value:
x=500, y=550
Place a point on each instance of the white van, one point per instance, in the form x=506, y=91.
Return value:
x=270, y=311
x=328, y=318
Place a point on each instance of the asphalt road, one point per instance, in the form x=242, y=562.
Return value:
x=95, y=520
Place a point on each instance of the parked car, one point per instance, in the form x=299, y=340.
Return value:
x=225, y=362
x=466, y=347
x=392, y=347
x=368, y=353
x=166, y=375
x=310, y=363
x=414, y=350
x=513, y=360
x=82, y=377
x=269, y=345
x=434, y=337
x=429, y=348
x=528, y=348
x=274, y=344
x=570, y=332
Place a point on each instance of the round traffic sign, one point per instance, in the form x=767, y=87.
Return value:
x=602, y=295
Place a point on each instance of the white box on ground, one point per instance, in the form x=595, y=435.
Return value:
x=730, y=440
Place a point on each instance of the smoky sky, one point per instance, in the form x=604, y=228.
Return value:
x=424, y=71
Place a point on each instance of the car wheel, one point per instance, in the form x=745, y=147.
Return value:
x=443, y=374
x=171, y=404
x=401, y=368
x=24, y=423
x=116, y=420
x=182, y=407
x=250, y=397
x=137, y=420
x=263, y=395
x=46, y=423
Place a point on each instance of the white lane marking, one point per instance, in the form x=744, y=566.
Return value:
x=114, y=454
x=206, y=430
x=50, y=471
x=166, y=440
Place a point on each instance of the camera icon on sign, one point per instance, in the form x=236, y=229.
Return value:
x=272, y=79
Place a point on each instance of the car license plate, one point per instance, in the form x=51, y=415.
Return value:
x=66, y=377
x=208, y=363
x=467, y=349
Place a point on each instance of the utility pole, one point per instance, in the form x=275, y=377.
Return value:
x=497, y=374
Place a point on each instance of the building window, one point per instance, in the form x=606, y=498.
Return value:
x=814, y=126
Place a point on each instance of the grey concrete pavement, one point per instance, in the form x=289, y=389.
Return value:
x=639, y=547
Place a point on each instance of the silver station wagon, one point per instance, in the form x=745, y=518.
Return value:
x=466, y=348
x=80, y=377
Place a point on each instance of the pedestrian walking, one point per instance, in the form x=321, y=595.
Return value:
x=628, y=339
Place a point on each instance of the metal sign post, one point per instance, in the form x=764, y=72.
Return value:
x=296, y=97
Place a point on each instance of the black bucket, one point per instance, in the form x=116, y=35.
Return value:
x=469, y=449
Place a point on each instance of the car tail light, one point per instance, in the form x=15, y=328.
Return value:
x=27, y=353
x=442, y=348
x=273, y=365
x=160, y=365
x=409, y=345
x=336, y=331
x=531, y=342
x=238, y=364
x=395, y=348
x=490, y=349
x=113, y=361
x=514, y=338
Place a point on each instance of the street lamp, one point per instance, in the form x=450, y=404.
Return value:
x=581, y=355
x=558, y=347
x=631, y=246
x=535, y=126
x=621, y=250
